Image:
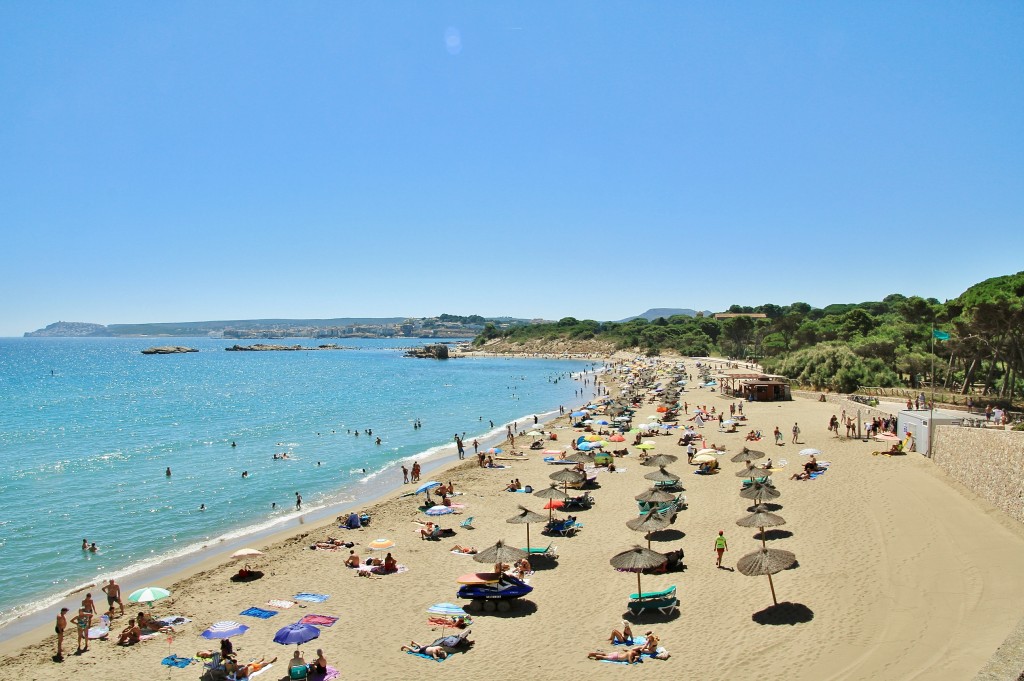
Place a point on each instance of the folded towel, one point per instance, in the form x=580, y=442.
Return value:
x=259, y=612
x=313, y=598
x=319, y=620
x=175, y=661
x=284, y=605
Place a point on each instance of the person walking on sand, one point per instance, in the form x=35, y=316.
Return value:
x=405, y=475
x=113, y=592
x=796, y=434
x=778, y=436
x=62, y=624
x=721, y=546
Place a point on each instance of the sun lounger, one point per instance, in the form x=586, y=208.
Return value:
x=548, y=551
x=666, y=606
x=664, y=593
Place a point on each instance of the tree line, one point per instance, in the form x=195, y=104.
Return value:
x=888, y=343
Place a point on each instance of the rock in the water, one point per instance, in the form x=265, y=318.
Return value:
x=168, y=350
x=436, y=351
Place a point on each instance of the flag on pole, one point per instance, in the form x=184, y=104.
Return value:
x=940, y=335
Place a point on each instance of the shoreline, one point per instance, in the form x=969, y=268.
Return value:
x=29, y=627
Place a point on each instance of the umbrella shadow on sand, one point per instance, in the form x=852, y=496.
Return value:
x=539, y=563
x=773, y=533
x=250, y=576
x=668, y=534
x=784, y=613
x=766, y=506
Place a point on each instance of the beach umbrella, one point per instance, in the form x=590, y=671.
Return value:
x=579, y=457
x=552, y=504
x=446, y=610
x=439, y=510
x=246, y=553
x=552, y=494
x=660, y=460
x=602, y=422
x=592, y=438
x=654, y=495
x=758, y=491
x=704, y=458
x=225, y=629
x=525, y=517
x=381, y=544
x=651, y=522
x=579, y=413
x=761, y=519
x=638, y=559
x=645, y=446
x=766, y=562
x=494, y=451
x=728, y=422
x=534, y=433
x=566, y=476
x=662, y=475
x=296, y=634
x=552, y=452
x=810, y=452
x=500, y=553
x=747, y=455
x=148, y=595
x=752, y=471
x=427, y=486
x=616, y=438
x=586, y=446
x=708, y=450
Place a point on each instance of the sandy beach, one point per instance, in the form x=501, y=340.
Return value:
x=902, y=573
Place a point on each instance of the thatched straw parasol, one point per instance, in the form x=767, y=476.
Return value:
x=662, y=475
x=636, y=560
x=580, y=457
x=747, y=455
x=551, y=493
x=565, y=476
x=654, y=495
x=660, y=460
x=766, y=562
x=761, y=519
x=525, y=517
x=500, y=553
x=758, y=491
x=652, y=522
x=752, y=471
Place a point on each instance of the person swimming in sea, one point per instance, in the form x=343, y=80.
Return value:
x=233, y=444
x=202, y=507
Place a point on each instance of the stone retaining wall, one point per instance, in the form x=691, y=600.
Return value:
x=986, y=461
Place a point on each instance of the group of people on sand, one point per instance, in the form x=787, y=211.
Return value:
x=810, y=467
x=651, y=646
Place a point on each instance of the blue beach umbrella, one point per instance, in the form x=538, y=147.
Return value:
x=446, y=610
x=296, y=634
x=580, y=413
x=225, y=629
x=427, y=486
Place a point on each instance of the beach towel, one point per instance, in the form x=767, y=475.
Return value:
x=376, y=569
x=284, y=605
x=424, y=655
x=818, y=474
x=257, y=673
x=312, y=598
x=331, y=674
x=259, y=612
x=319, y=620
x=461, y=553
x=637, y=641
x=173, y=620
x=175, y=661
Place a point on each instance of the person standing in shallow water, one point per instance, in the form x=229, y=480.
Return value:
x=298, y=501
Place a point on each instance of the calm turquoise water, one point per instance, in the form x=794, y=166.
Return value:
x=88, y=427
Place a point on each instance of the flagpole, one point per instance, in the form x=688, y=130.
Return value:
x=931, y=410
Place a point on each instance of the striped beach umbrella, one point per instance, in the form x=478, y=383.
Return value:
x=148, y=595
x=381, y=544
x=446, y=610
x=225, y=629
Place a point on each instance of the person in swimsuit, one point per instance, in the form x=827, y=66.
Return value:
x=130, y=635
x=62, y=624
x=81, y=621
x=436, y=652
x=113, y=592
x=629, y=656
x=624, y=636
x=320, y=663
x=89, y=605
x=243, y=671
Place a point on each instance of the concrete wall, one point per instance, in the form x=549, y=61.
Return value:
x=989, y=462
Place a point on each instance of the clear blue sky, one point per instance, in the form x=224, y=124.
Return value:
x=172, y=161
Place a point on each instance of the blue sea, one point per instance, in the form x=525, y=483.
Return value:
x=89, y=426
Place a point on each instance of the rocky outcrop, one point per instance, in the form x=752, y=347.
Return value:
x=265, y=347
x=435, y=351
x=69, y=330
x=168, y=350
